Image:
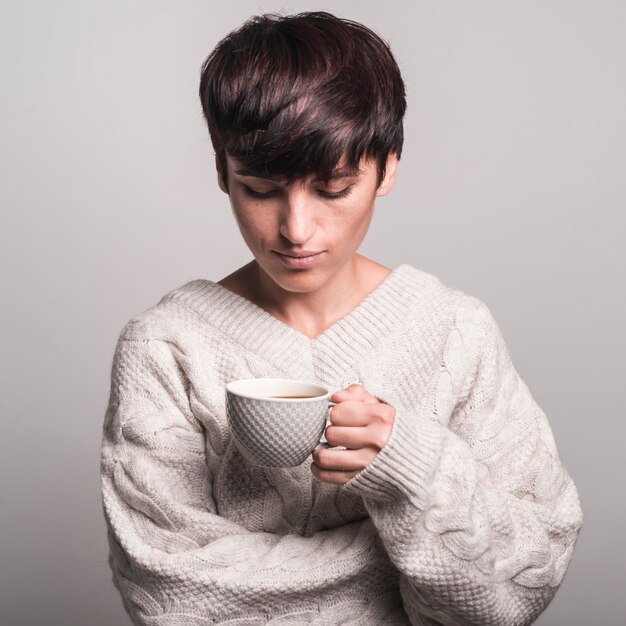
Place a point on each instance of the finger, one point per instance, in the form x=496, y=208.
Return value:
x=355, y=392
x=355, y=413
x=332, y=476
x=350, y=413
x=343, y=460
x=355, y=437
x=375, y=434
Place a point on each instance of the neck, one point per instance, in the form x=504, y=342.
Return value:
x=308, y=305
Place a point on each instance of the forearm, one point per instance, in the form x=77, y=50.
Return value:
x=175, y=557
x=469, y=495
x=250, y=574
x=469, y=550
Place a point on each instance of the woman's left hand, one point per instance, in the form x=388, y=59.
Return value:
x=361, y=423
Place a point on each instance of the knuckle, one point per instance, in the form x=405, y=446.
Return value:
x=386, y=413
x=380, y=435
x=356, y=389
x=326, y=475
x=322, y=457
x=365, y=459
x=329, y=434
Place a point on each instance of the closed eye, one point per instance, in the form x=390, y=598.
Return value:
x=334, y=195
x=258, y=194
x=328, y=195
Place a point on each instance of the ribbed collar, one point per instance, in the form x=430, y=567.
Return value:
x=339, y=346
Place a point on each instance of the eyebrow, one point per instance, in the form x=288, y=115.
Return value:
x=344, y=172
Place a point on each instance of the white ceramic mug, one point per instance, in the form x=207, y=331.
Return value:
x=277, y=431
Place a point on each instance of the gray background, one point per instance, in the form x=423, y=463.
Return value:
x=511, y=188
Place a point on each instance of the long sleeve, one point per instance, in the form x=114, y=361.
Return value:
x=468, y=495
x=175, y=560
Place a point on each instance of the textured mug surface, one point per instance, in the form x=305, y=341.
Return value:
x=276, y=432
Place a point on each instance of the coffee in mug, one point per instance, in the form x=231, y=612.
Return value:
x=293, y=396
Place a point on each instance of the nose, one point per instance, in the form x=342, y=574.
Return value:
x=297, y=216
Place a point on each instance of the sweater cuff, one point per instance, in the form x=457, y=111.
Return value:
x=405, y=466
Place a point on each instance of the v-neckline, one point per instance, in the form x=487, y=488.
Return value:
x=287, y=327
x=343, y=342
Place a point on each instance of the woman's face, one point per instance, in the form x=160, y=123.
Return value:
x=305, y=217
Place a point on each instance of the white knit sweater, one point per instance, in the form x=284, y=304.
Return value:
x=466, y=516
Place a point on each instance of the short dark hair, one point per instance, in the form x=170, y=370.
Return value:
x=290, y=96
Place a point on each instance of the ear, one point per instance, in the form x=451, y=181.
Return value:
x=220, y=175
x=390, y=175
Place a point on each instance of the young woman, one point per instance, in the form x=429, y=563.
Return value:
x=449, y=504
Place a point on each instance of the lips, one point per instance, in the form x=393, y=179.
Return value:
x=300, y=261
x=300, y=254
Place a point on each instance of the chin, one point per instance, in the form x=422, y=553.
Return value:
x=295, y=280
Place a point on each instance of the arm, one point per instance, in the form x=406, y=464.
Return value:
x=174, y=558
x=472, y=503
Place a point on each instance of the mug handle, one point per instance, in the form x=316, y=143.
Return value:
x=325, y=444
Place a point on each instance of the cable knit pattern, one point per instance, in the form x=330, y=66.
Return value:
x=466, y=516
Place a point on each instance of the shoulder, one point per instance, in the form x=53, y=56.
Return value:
x=452, y=302
x=168, y=317
x=462, y=321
